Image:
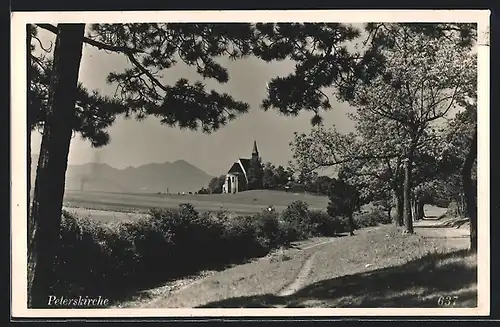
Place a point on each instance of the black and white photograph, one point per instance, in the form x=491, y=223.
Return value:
x=258, y=163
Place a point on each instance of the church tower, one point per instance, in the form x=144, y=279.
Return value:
x=255, y=152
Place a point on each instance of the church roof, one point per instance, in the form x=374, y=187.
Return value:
x=245, y=163
x=255, y=151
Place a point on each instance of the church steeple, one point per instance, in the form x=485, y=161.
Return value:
x=255, y=152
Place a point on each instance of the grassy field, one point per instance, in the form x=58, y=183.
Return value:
x=379, y=267
x=247, y=278
x=248, y=202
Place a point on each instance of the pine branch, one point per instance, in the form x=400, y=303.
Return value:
x=97, y=44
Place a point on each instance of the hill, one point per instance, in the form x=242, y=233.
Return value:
x=178, y=176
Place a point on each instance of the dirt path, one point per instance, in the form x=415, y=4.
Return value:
x=433, y=227
x=301, y=279
x=450, y=237
x=148, y=297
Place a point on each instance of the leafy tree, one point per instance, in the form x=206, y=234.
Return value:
x=344, y=202
x=320, y=185
x=215, y=185
x=282, y=176
x=151, y=50
x=269, y=180
x=365, y=161
x=463, y=36
x=422, y=80
x=346, y=71
x=469, y=169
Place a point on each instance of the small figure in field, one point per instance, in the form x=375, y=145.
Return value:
x=271, y=209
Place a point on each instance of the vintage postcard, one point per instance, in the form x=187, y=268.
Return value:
x=250, y=163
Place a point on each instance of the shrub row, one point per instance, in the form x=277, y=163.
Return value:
x=372, y=218
x=96, y=258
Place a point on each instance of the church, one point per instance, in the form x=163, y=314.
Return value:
x=236, y=177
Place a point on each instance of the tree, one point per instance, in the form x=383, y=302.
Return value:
x=151, y=49
x=322, y=61
x=93, y=113
x=255, y=174
x=422, y=80
x=465, y=141
x=49, y=186
x=337, y=68
x=268, y=176
x=463, y=36
x=344, y=201
x=215, y=185
x=320, y=185
x=203, y=190
x=366, y=159
x=282, y=176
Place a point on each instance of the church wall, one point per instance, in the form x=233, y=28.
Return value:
x=231, y=184
x=242, y=183
x=237, y=174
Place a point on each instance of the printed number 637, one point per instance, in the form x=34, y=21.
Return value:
x=447, y=300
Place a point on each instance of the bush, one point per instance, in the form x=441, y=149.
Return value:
x=267, y=230
x=239, y=235
x=297, y=221
x=373, y=218
x=325, y=225
x=107, y=259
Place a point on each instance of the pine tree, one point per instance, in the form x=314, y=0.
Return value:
x=151, y=49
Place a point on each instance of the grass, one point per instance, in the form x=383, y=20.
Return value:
x=264, y=275
x=121, y=258
x=378, y=267
x=417, y=283
x=243, y=202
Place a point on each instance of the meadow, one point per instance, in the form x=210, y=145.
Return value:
x=133, y=248
x=105, y=206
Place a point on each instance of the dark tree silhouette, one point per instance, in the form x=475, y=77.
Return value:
x=255, y=174
x=151, y=49
x=215, y=185
x=49, y=186
x=345, y=200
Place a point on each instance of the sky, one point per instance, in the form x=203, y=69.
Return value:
x=135, y=143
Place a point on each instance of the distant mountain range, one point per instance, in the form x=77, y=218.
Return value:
x=178, y=176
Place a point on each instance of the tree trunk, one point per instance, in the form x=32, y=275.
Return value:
x=470, y=194
x=414, y=207
x=28, y=128
x=407, y=216
x=398, y=219
x=420, y=209
x=29, y=114
x=350, y=220
x=462, y=207
x=51, y=171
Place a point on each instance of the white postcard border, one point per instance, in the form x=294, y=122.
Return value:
x=19, y=160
